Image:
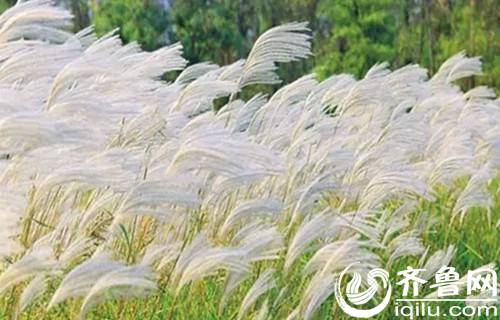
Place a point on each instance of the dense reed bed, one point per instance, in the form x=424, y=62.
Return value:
x=126, y=196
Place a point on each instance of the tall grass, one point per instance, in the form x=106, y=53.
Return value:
x=123, y=196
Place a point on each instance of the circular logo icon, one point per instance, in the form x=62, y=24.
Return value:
x=357, y=298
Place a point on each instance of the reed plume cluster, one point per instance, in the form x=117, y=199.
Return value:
x=115, y=184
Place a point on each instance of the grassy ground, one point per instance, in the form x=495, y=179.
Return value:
x=476, y=239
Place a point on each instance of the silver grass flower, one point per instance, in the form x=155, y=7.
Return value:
x=200, y=259
x=34, y=19
x=264, y=283
x=33, y=290
x=320, y=226
x=437, y=260
x=80, y=280
x=124, y=283
x=284, y=43
x=31, y=264
x=176, y=192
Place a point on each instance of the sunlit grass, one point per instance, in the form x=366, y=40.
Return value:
x=475, y=238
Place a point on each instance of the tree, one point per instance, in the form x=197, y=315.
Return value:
x=141, y=21
x=208, y=30
x=432, y=31
x=222, y=31
x=354, y=34
x=474, y=28
x=349, y=35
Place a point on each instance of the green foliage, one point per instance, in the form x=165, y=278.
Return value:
x=141, y=21
x=207, y=31
x=349, y=35
x=358, y=34
x=474, y=28
x=4, y=4
x=431, y=31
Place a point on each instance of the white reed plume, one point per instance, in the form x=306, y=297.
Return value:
x=114, y=182
x=124, y=283
x=264, y=283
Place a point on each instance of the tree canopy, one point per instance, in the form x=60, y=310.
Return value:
x=349, y=35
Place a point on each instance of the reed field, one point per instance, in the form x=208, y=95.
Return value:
x=127, y=196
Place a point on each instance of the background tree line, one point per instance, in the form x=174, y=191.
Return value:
x=349, y=35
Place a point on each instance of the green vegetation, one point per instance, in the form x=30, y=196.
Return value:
x=201, y=300
x=357, y=35
x=5, y=4
x=349, y=35
x=141, y=21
